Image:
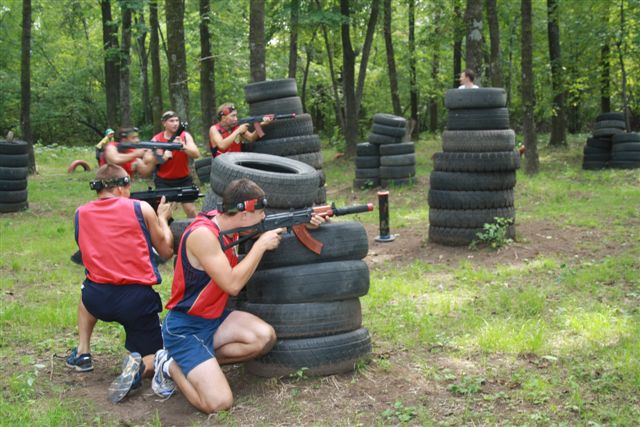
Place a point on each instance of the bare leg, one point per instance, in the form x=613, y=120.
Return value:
x=148, y=365
x=189, y=209
x=205, y=387
x=86, y=323
x=242, y=336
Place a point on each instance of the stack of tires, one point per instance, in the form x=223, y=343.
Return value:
x=625, y=151
x=473, y=178
x=367, y=165
x=597, y=151
x=14, y=161
x=292, y=138
x=203, y=168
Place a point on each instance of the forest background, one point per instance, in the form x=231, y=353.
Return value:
x=72, y=68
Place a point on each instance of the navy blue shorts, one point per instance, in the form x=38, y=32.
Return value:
x=189, y=339
x=187, y=181
x=135, y=307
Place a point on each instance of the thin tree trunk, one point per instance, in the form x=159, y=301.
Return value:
x=207, y=71
x=156, y=86
x=391, y=61
x=334, y=81
x=433, y=100
x=366, y=49
x=495, y=65
x=623, y=72
x=178, y=83
x=458, y=35
x=305, y=76
x=257, y=41
x=125, y=60
x=348, y=82
x=474, y=47
x=532, y=163
x=25, y=84
x=293, y=38
x=143, y=54
x=558, y=122
x=509, y=80
x=605, y=77
x=413, y=90
x=111, y=64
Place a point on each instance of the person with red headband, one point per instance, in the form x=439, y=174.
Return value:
x=133, y=160
x=200, y=334
x=227, y=136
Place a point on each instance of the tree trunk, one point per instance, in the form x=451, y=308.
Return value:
x=125, y=61
x=623, y=71
x=305, y=76
x=293, y=38
x=111, y=64
x=605, y=78
x=474, y=47
x=257, y=41
x=532, y=163
x=334, y=81
x=178, y=87
x=348, y=82
x=154, y=50
x=433, y=100
x=25, y=84
x=391, y=61
x=207, y=72
x=558, y=122
x=413, y=90
x=458, y=35
x=143, y=54
x=366, y=49
x=495, y=66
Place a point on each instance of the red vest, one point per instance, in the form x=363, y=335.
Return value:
x=193, y=291
x=178, y=166
x=126, y=166
x=115, y=242
x=235, y=146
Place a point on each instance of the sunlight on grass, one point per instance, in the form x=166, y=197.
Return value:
x=508, y=336
x=602, y=328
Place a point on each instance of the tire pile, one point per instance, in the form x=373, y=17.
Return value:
x=473, y=178
x=610, y=146
x=385, y=160
x=312, y=301
x=625, y=151
x=203, y=168
x=14, y=161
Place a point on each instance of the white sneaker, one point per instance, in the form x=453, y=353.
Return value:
x=162, y=385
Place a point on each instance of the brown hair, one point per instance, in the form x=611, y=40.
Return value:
x=109, y=171
x=469, y=73
x=239, y=191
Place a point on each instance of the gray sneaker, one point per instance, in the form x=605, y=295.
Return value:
x=162, y=384
x=129, y=379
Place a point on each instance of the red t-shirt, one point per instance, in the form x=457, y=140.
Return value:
x=115, y=242
x=193, y=291
x=176, y=167
x=235, y=146
x=126, y=166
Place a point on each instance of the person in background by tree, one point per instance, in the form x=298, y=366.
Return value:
x=466, y=80
x=108, y=137
x=132, y=160
x=227, y=136
x=174, y=172
x=120, y=273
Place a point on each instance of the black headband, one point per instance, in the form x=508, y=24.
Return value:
x=100, y=185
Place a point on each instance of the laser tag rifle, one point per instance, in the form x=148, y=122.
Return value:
x=154, y=146
x=294, y=221
x=178, y=194
x=256, y=120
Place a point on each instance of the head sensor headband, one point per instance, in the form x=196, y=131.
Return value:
x=225, y=111
x=100, y=185
x=248, y=206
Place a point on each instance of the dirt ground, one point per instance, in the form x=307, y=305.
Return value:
x=346, y=399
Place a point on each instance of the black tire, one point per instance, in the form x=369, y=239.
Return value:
x=610, y=116
x=621, y=164
x=484, y=97
x=449, y=236
x=333, y=354
x=12, y=185
x=286, y=182
x=601, y=143
x=626, y=146
x=289, y=105
x=321, y=197
x=367, y=149
x=16, y=196
x=594, y=165
x=322, y=176
x=14, y=160
x=367, y=162
x=270, y=89
x=390, y=120
x=325, y=281
x=397, y=132
x=477, y=119
x=211, y=201
x=312, y=159
x=442, y=199
x=13, y=174
x=397, y=172
x=13, y=207
x=597, y=157
x=616, y=124
x=607, y=132
x=625, y=137
x=376, y=138
x=397, y=182
x=468, y=218
x=398, y=160
x=467, y=181
x=14, y=147
x=499, y=161
x=399, y=148
x=365, y=183
x=202, y=163
x=288, y=146
x=306, y=320
x=368, y=173
x=286, y=128
x=177, y=229
x=204, y=174
x=595, y=150
x=478, y=140
x=624, y=156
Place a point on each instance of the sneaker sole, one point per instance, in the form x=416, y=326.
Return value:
x=78, y=368
x=122, y=385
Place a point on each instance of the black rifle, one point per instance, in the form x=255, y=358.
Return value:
x=178, y=194
x=294, y=221
x=155, y=146
x=256, y=120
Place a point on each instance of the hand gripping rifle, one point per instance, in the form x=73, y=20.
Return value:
x=155, y=146
x=178, y=194
x=256, y=120
x=294, y=221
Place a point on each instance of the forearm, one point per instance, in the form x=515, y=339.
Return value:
x=165, y=246
x=120, y=158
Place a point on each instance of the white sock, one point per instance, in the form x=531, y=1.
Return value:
x=166, y=366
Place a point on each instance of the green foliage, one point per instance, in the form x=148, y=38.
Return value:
x=466, y=386
x=494, y=235
x=399, y=413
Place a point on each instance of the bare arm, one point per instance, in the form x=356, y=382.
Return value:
x=158, y=225
x=223, y=143
x=190, y=146
x=113, y=156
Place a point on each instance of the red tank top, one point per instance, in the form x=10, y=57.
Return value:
x=115, y=242
x=235, y=146
x=178, y=166
x=126, y=166
x=193, y=291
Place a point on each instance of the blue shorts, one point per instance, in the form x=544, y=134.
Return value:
x=189, y=339
x=135, y=307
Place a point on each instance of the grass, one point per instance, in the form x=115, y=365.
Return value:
x=550, y=340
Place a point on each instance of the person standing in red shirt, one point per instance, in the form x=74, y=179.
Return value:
x=174, y=172
x=227, y=136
